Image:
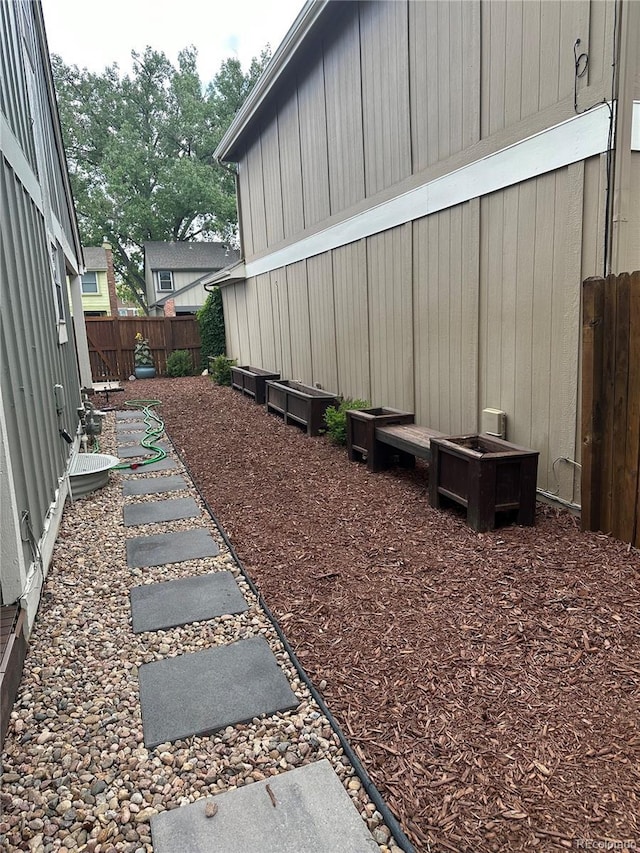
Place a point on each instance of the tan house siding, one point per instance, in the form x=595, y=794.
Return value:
x=343, y=86
x=352, y=319
x=385, y=94
x=290, y=167
x=476, y=304
x=313, y=143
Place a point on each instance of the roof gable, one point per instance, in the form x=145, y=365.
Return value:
x=95, y=258
x=188, y=256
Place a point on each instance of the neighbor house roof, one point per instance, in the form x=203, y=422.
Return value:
x=95, y=258
x=268, y=80
x=188, y=256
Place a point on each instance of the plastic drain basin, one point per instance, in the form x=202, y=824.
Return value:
x=90, y=471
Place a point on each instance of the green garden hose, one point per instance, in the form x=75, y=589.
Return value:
x=154, y=427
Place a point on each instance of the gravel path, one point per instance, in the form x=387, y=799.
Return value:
x=490, y=682
x=76, y=774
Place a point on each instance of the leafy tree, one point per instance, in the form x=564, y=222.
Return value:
x=140, y=153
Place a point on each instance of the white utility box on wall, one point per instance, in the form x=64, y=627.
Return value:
x=494, y=422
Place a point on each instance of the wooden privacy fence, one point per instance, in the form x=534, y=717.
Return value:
x=611, y=405
x=112, y=340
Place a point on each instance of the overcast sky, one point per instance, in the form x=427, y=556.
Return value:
x=97, y=33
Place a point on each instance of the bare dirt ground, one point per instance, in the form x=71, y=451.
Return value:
x=489, y=682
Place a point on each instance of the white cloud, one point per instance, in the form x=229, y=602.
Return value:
x=94, y=34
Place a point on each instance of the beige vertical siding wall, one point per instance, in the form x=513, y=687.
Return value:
x=476, y=305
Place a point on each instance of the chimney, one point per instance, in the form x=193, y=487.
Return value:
x=111, y=280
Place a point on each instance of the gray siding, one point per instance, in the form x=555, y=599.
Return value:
x=37, y=343
x=13, y=93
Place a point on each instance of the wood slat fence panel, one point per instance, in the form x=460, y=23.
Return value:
x=112, y=340
x=611, y=405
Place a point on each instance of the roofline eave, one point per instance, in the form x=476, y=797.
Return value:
x=278, y=64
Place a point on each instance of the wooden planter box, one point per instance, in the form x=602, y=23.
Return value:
x=486, y=475
x=251, y=381
x=299, y=404
x=361, y=433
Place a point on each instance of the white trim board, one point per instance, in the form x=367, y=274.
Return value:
x=10, y=148
x=575, y=139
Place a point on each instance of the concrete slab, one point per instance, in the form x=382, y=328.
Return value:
x=144, y=551
x=124, y=437
x=130, y=452
x=130, y=426
x=156, y=511
x=202, y=692
x=157, y=606
x=312, y=813
x=163, y=465
x=130, y=415
x=153, y=485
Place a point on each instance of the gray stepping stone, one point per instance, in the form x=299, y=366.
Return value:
x=129, y=415
x=130, y=426
x=144, y=551
x=313, y=814
x=155, y=511
x=139, y=450
x=163, y=465
x=130, y=436
x=158, y=606
x=202, y=692
x=153, y=485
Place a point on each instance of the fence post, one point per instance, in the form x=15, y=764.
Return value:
x=622, y=512
x=632, y=489
x=116, y=337
x=592, y=357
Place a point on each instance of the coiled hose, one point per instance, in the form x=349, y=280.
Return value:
x=154, y=427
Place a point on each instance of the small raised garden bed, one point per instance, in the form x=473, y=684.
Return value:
x=486, y=475
x=251, y=381
x=299, y=404
x=361, y=434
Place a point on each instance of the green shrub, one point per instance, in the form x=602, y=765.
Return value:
x=179, y=363
x=336, y=418
x=220, y=369
x=211, y=324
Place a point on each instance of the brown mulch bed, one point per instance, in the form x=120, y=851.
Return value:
x=489, y=682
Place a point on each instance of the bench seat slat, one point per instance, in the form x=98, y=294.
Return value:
x=409, y=438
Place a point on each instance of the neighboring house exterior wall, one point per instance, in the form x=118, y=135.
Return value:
x=99, y=296
x=96, y=303
x=420, y=203
x=181, y=266
x=39, y=344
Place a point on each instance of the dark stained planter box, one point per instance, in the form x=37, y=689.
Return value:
x=299, y=404
x=251, y=381
x=486, y=475
x=361, y=432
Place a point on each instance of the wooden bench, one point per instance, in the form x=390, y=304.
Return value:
x=406, y=441
x=376, y=436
